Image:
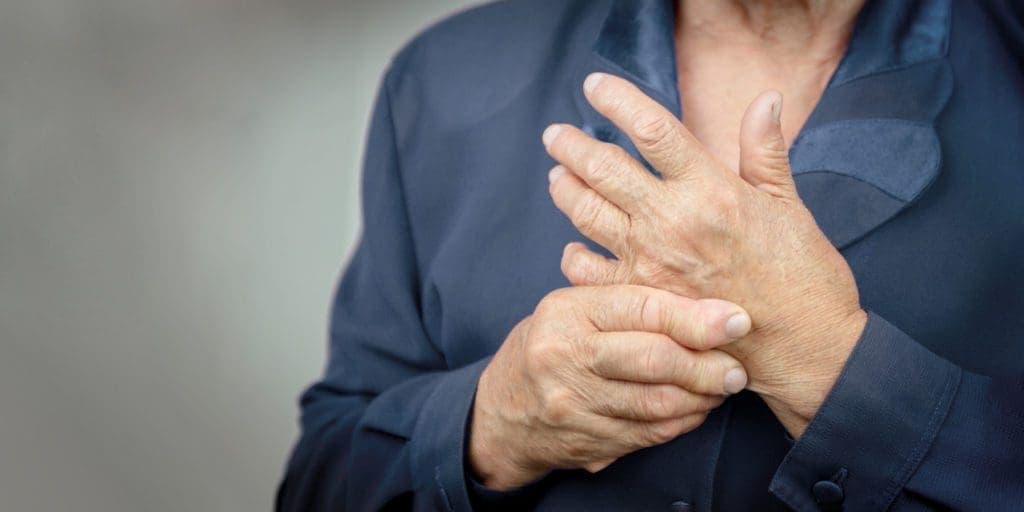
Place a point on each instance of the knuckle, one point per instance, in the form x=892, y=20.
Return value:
x=543, y=309
x=602, y=358
x=699, y=334
x=587, y=213
x=590, y=274
x=653, y=361
x=662, y=432
x=704, y=377
x=556, y=407
x=538, y=355
x=691, y=422
x=575, y=267
x=583, y=274
x=555, y=302
x=773, y=148
x=601, y=168
x=651, y=128
x=683, y=367
x=729, y=199
x=660, y=314
x=647, y=310
x=661, y=402
x=602, y=314
x=577, y=450
x=547, y=354
x=721, y=210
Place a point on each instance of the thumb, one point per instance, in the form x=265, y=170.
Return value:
x=764, y=158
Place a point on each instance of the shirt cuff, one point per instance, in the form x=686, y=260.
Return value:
x=520, y=498
x=874, y=427
x=437, y=442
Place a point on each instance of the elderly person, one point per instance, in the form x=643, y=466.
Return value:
x=689, y=297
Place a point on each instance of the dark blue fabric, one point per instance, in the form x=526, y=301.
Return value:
x=912, y=163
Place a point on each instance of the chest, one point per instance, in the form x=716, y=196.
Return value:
x=946, y=269
x=716, y=86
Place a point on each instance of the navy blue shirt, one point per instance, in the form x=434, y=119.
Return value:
x=912, y=163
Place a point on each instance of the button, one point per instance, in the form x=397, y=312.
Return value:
x=827, y=492
x=680, y=506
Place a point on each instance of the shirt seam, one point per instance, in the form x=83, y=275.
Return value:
x=444, y=492
x=939, y=413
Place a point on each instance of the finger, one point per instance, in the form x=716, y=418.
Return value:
x=594, y=467
x=633, y=435
x=764, y=157
x=583, y=267
x=657, y=134
x=605, y=167
x=698, y=324
x=592, y=214
x=649, y=402
x=656, y=359
x=607, y=438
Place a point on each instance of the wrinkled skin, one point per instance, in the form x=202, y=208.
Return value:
x=597, y=372
x=704, y=231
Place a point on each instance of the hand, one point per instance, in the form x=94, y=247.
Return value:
x=596, y=373
x=703, y=231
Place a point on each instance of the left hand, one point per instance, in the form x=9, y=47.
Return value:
x=705, y=232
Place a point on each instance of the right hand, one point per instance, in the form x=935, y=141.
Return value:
x=596, y=373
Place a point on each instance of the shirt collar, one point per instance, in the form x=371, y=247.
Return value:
x=638, y=38
x=869, y=148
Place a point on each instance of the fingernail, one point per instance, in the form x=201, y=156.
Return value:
x=737, y=326
x=555, y=172
x=735, y=381
x=550, y=133
x=591, y=82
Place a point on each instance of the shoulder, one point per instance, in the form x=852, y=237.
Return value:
x=1001, y=20
x=493, y=34
x=469, y=63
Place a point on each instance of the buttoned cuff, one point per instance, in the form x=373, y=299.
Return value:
x=874, y=427
x=438, y=439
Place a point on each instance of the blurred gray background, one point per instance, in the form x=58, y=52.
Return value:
x=178, y=192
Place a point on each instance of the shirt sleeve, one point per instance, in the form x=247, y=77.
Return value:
x=904, y=429
x=384, y=427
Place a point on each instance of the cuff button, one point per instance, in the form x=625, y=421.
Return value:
x=827, y=492
x=680, y=506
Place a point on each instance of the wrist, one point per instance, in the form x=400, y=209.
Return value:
x=795, y=385
x=492, y=457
